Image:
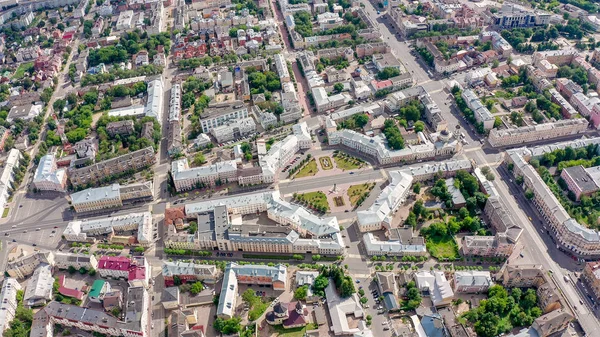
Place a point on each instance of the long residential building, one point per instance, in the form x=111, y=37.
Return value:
x=7, y=177
x=380, y=214
x=528, y=134
x=154, y=101
x=87, y=230
x=189, y=272
x=77, y=261
x=8, y=302
x=571, y=236
x=101, y=198
x=104, y=170
x=48, y=177
x=221, y=227
x=444, y=145
x=275, y=276
x=481, y=112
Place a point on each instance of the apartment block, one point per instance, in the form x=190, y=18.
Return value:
x=8, y=302
x=133, y=161
x=24, y=266
x=482, y=114
x=570, y=236
x=77, y=261
x=516, y=16
x=86, y=230
x=234, y=129
x=219, y=114
x=100, y=198
x=591, y=276
x=529, y=134
x=281, y=67
x=189, y=272
x=522, y=276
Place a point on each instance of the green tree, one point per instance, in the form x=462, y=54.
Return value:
x=301, y=292
x=417, y=188
x=199, y=159
x=388, y=72
x=228, y=326
x=196, y=288
x=338, y=87
x=361, y=120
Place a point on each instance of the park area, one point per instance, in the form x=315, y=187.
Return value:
x=346, y=162
x=308, y=170
x=316, y=200
x=358, y=193
x=442, y=247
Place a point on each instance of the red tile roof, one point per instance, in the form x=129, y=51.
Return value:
x=114, y=263
x=68, y=291
x=137, y=273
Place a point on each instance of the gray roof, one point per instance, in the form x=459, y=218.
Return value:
x=96, y=194
x=472, y=278
x=581, y=177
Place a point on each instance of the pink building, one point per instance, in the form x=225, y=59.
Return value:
x=114, y=266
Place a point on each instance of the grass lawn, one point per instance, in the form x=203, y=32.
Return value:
x=346, y=163
x=326, y=163
x=295, y=332
x=5, y=213
x=356, y=191
x=309, y=170
x=317, y=198
x=442, y=247
x=20, y=73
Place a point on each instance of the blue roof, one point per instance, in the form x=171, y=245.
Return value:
x=433, y=326
x=390, y=302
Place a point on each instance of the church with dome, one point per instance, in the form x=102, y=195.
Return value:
x=290, y=315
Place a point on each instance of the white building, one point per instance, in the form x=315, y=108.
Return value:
x=85, y=230
x=233, y=129
x=282, y=68
x=218, y=115
x=39, y=287
x=445, y=145
x=324, y=102
x=124, y=20
x=472, y=281
x=186, y=177
x=380, y=214
x=482, y=114
x=8, y=302
x=154, y=101
x=175, y=103
x=437, y=285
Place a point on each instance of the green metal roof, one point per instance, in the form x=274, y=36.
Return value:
x=96, y=288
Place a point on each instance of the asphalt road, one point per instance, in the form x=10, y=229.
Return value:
x=303, y=184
